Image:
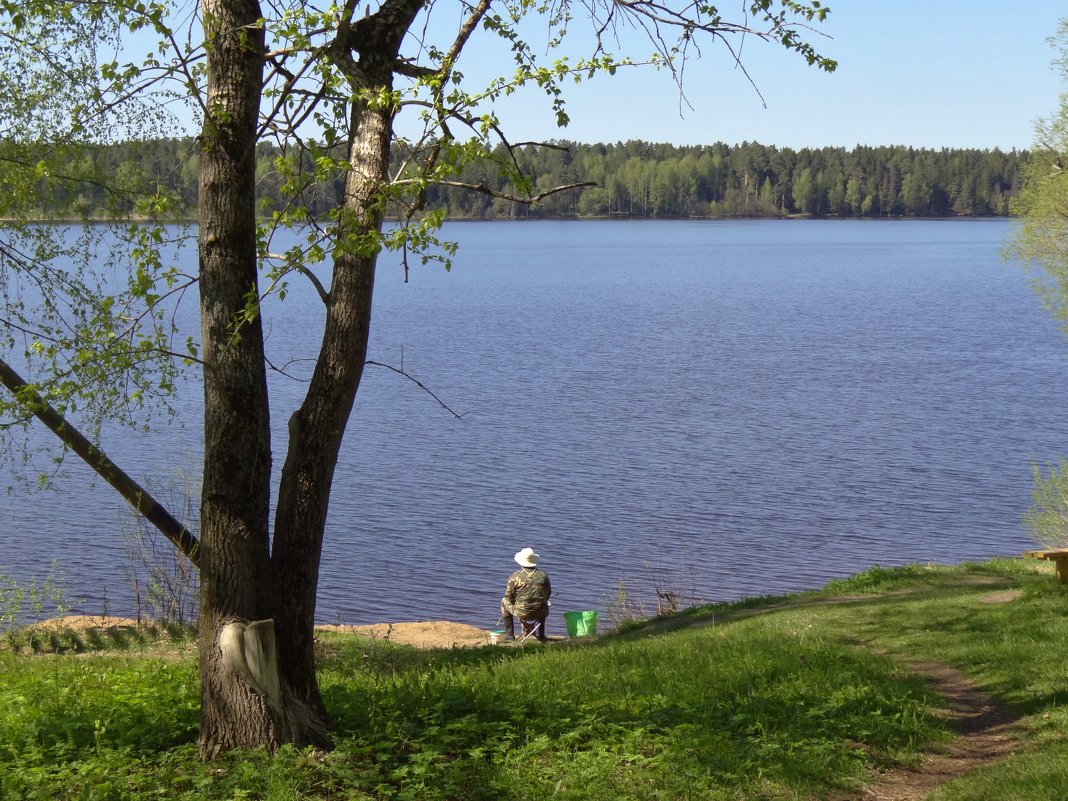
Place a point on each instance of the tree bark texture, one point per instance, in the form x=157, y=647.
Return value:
x=243, y=578
x=235, y=563
x=318, y=426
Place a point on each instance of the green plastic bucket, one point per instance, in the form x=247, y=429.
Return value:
x=581, y=624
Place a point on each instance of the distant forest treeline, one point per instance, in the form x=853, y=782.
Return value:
x=635, y=179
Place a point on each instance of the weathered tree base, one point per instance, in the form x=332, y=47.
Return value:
x=256, y=730
x=244, y=704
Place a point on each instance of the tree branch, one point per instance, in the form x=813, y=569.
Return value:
x=136, y=495
x=418, y=383
x=485, y=190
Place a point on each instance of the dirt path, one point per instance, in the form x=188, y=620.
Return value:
x=986, y=732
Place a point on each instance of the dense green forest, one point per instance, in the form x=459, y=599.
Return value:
x=633, y=179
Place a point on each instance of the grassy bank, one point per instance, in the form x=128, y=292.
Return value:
x=802, y=697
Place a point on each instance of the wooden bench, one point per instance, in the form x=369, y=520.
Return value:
x=1059, y=556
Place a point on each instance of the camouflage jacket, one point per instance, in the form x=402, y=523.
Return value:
x=528, y=592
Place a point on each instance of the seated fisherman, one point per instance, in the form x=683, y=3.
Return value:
x=526, y=597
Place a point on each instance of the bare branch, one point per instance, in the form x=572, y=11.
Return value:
x=409, y=70
x=466, y=29
x=289, y=90
x=283, y=370
x=418, y=383
x=485, y=190
x=673, y=29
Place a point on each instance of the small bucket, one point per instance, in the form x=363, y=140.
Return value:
x=495, y=636
x=581, y=624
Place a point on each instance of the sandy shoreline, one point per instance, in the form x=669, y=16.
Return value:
x=421, y=634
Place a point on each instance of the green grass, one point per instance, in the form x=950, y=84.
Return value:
x=799, y=697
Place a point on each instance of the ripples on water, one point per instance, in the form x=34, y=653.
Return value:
x=745, y=407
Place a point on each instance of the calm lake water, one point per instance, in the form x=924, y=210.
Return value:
x=739, y=407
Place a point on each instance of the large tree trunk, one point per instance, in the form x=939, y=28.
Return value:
x=317, y=428
x=315, y=434
x=249, y=699
x=242, y=705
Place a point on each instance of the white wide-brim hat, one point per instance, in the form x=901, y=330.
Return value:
x=527, y=558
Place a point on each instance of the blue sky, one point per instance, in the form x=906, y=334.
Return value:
x=925, y=73
x=939, y=73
